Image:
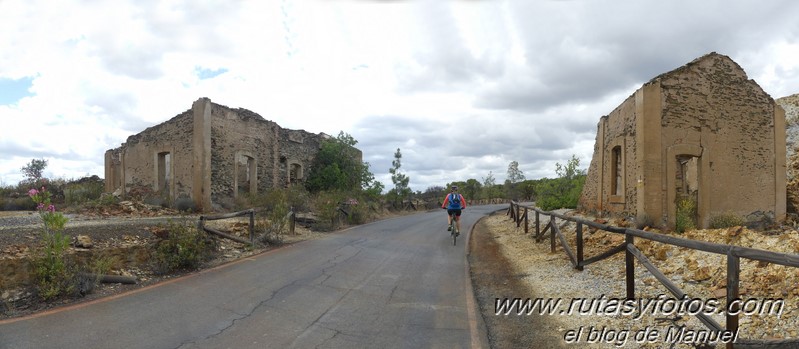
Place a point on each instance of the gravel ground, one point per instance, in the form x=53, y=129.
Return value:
x=547, y=275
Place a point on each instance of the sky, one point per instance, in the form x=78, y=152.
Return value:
x=462, y=88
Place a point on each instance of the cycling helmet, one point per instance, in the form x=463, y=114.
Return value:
x=454, y=187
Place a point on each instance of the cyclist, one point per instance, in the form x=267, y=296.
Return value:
x=454, y=203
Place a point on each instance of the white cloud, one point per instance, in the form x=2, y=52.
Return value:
x=463, y=88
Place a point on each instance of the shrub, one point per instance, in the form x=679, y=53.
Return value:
x=559, y=192
x=17, y=204
x=154, y=201
x=271, y=231
x=327, y=206
x=185, y=247
x=644, y=220
x=726, y=220
x=185, y=204
x=686, y=211
x=55, y=275
x=82, y=191
x=87, y=281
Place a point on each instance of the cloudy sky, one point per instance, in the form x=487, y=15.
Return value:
x=461, y=87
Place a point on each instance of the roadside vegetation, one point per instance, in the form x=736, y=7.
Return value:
x=339, y=190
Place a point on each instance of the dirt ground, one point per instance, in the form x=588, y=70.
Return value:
x=494, y=276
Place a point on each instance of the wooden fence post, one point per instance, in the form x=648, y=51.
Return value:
x=292, y=220
x=526, y=230
x=252, y=226
x=552, y=233
x=629, y=261
x=733, y=274
x=579, y=246
x=537, y=224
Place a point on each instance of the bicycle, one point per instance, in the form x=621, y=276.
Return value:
x=453, y=229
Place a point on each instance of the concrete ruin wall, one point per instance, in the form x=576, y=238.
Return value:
x=215, y=153
x=702, y=130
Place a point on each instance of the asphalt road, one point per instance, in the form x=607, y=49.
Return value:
x=397, y=283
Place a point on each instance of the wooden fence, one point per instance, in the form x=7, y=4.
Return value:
x=519, y=213
x=250, y=212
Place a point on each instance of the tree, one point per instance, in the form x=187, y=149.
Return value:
x=471, y=189
x=564, y=191
x=338, y=166
x=434, y=192
x=34, y=169
x=400, y=180
x=490, y=188
x=371, y=187
x=570, y=170
x=527, y=189
x=515, y=175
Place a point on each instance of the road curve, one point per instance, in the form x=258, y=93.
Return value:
x=396, y=283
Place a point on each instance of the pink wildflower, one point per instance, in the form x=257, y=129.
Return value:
x=32, y=192
x=51, y=208
x=40, y=206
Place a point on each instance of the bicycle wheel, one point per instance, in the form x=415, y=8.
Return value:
x=454, y=234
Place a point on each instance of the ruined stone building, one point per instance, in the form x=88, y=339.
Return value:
x=791, y=106
x=704, y=133
x=211, y=154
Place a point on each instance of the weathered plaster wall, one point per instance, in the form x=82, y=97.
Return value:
x=140, y=153
x=297, y=147
x=616, y=129
x=710, y=112
x=710, y=103
x=213, y=150
x=235, y=133
x=790, y=104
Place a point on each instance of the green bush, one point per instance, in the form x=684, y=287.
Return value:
x=17, y=204
x=726, y=220
x=553, y=194
x=89, y=278
x=55, y=274
x=82, y=192
x=326, y=206
x=686, y=211
x=185, y=247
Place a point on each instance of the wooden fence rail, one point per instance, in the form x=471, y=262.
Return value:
x=250, y=212
x=518, y=213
